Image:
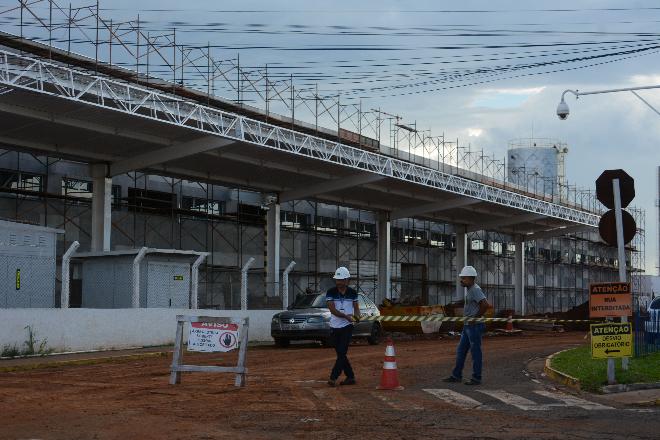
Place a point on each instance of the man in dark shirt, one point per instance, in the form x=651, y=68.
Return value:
x=343, y=304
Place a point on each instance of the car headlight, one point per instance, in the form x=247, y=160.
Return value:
x=315, y=319
x=276, y=320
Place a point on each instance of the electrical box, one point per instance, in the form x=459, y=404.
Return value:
x=163, y=276
x=27, y=265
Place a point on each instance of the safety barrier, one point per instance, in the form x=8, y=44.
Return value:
x=442, y=318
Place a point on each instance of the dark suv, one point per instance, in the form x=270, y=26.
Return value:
x=309, y=319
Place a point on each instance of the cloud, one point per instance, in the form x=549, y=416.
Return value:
x=504, y=97
x=645, y=80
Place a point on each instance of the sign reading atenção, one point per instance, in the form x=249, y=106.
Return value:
x=611, y=340
x=610, y=300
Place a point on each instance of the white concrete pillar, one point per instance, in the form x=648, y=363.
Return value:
x=461, y=258
x=272, y=260
x=519, y=276
x=101, y=208
x=384, y=281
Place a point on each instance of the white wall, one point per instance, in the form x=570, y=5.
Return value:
x=98, y=329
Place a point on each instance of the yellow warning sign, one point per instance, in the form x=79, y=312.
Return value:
x=611, y=340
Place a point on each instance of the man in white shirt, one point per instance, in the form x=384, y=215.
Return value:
x=343, y=304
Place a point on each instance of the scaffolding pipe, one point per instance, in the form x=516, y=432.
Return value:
x=194, y=280
x=244, y=283
x=136, y=277
x=285, y=285
x=66, y=260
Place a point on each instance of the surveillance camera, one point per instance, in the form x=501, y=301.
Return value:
x=562, y=110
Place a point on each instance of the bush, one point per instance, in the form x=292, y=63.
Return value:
x=32, y=346
x=10, y=351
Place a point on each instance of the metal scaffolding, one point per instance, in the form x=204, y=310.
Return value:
x=228, y=223
x=83, y=37
x=137, y=72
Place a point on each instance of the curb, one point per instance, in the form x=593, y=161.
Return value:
x=574, y=383
x=88, y=361
x=558, y=376
x=625, y=387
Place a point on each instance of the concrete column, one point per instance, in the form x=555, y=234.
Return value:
x=461, y=258
x=519, y=276
x=272, y=260
x=101, y=208
x=384, y=281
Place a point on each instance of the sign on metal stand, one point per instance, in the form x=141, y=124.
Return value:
x=211, y=334
x=616, y=189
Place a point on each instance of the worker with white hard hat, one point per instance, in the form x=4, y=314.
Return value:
x=343, y=304
x=475, y=306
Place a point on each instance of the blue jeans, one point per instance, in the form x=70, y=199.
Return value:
x=470, y=341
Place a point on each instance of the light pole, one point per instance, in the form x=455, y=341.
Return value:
x=563, y=111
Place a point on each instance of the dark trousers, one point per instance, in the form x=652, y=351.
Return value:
x=341, y=337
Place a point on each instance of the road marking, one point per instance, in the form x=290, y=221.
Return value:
x=457, y=399
x=333, y=400
x=573, y=401
x=398, y=404
x=517, y=401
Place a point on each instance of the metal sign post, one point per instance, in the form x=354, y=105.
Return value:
x=622, y=257
x=615, y=189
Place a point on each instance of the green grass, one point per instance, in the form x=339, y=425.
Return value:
x=592, y=373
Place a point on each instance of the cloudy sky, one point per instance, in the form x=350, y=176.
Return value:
x=484, y=72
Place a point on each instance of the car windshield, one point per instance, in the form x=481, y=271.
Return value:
x=311, y=301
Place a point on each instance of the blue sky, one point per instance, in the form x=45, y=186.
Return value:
x=434, y=63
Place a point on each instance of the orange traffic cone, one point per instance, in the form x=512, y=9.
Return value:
x=509, y=324
x=508, y=329
x=389, y=379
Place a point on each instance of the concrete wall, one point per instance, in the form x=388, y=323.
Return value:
x=98, y=329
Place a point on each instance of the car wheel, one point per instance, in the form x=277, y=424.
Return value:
x=375, y=334
x=282, y=342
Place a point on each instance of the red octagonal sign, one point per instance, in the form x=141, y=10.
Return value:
x=605, y=192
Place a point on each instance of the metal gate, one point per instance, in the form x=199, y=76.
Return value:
x=646, y=325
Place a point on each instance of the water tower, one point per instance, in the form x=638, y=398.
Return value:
x=537, y=164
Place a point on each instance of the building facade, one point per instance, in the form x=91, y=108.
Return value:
x=229, y=223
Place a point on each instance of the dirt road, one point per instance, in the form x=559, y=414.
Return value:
x=286, y=397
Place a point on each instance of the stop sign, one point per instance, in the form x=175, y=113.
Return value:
x=605, y=192
x=607, y=227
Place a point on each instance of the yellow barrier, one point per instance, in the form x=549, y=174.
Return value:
x=442, y=318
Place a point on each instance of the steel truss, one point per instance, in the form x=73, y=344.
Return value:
x=36, y=75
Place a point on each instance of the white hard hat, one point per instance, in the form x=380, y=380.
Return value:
x=468, y=271
x=342, y=273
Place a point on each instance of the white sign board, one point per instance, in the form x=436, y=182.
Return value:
x=212, y=337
